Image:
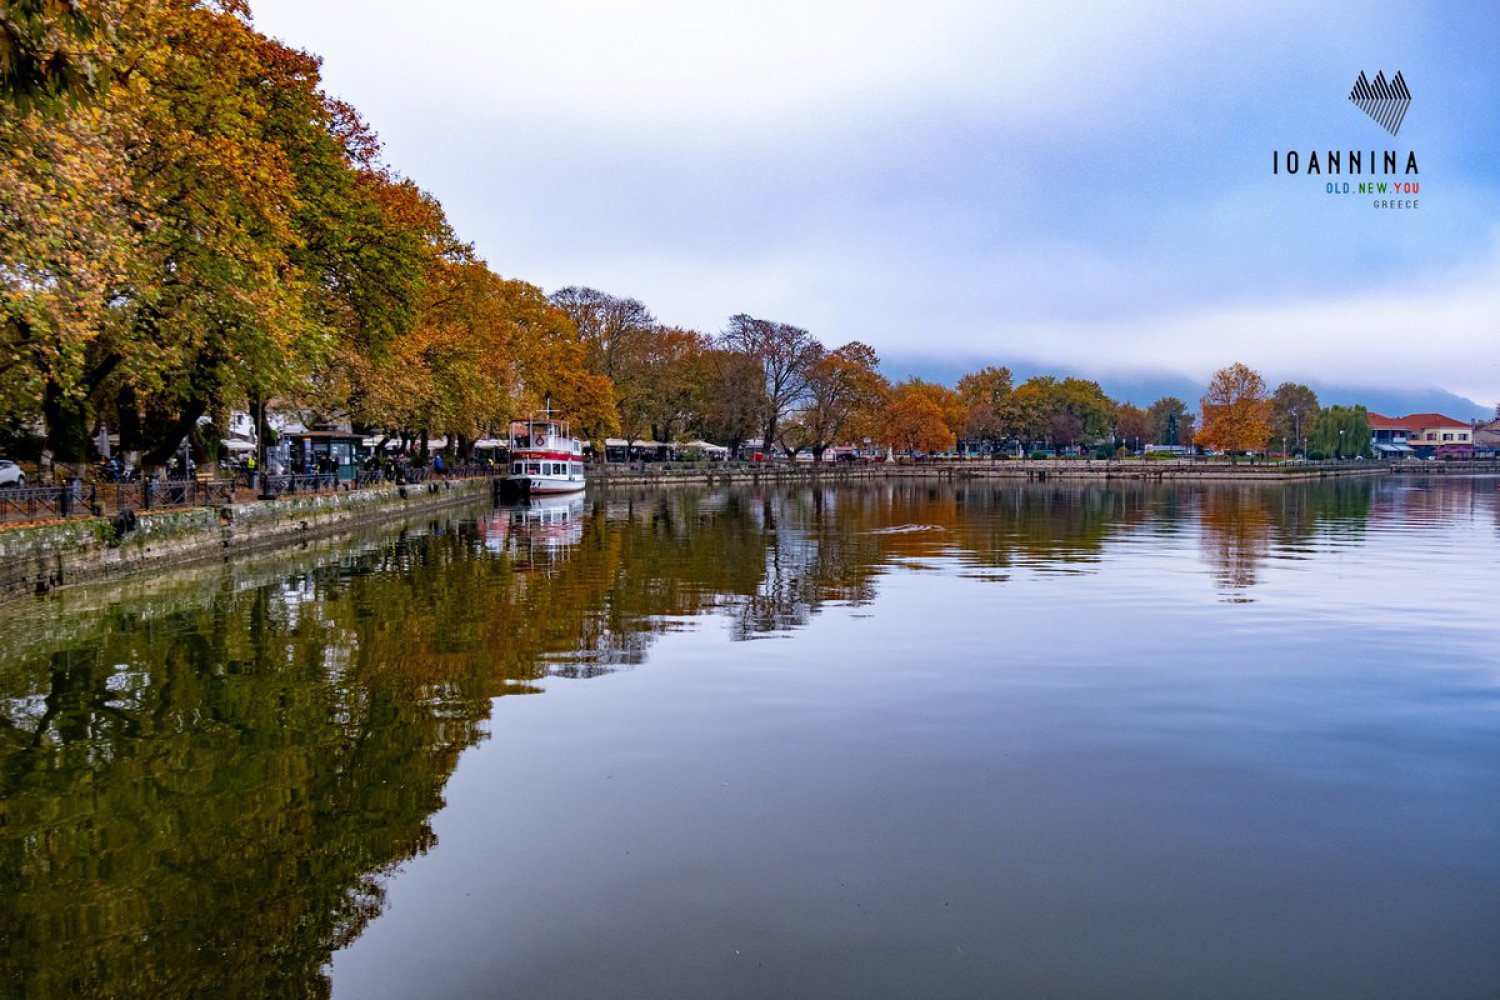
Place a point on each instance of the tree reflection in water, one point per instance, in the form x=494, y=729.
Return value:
x=204, y=799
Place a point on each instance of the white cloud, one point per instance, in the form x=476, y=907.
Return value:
x=736, y=67
x=1079, y=182
x=1443, y=333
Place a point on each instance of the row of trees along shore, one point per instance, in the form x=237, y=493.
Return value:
x=189, y=224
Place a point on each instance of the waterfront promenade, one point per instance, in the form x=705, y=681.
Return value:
x=637, y=473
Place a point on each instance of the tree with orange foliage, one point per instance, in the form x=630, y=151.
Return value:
x=948, y=402
x=913, y=422
x=845, y=395
x=1236, y=411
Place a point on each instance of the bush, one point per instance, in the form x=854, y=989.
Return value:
x=1038, y=456
x=1316, y=455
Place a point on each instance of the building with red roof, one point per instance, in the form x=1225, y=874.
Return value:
x=1424, y=435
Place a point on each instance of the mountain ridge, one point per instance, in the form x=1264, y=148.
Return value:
x=1144, y=386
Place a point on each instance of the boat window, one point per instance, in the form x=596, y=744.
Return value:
x=532, y=469
x=515, y=468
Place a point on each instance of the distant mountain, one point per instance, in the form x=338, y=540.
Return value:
x=1144, y=387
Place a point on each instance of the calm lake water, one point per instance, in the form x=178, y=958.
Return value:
x=893, y=740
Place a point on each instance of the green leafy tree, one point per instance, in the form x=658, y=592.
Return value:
x=1294, y=408
x=1341, y=432
x=1171, y=423
x=1132, y=426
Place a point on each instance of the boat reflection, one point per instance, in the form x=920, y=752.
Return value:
x=541, y=530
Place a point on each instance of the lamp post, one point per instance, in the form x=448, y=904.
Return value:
x=1341, y=444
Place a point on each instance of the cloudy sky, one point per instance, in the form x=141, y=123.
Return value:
x=1075, y=184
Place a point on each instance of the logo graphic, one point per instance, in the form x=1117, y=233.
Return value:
x=1385, y=101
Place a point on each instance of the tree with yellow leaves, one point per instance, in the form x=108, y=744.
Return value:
x=1236, y=411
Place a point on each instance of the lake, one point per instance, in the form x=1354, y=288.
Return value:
x=893, y=739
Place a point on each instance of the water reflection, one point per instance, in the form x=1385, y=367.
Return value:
x=206, y=800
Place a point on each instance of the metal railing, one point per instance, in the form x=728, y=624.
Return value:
x=158, y=494
x=41, y=503
x=293, y=483
x=81, y=499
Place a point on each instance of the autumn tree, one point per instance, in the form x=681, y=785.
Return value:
x=1061, y=412
x=988, y=397
x=214, y=230
x=48, y=52
x=619, y=337
x=209, y=300
x=67, y=243
x=949, y=403
x=552, y=360
x=1236, y=411
x=730, y=396
x=1294, y=407
x=376, y=373
x=786, y=355
x=845, y=395
x=914, y=423
x=615, y=331
x=672, y=376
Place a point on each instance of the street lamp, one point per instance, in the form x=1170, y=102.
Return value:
x=1341, y=444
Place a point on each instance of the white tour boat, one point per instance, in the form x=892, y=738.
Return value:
x=544, y=459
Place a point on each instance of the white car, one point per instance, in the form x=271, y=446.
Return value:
x=11, y=474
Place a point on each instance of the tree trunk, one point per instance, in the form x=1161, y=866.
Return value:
x=128, y=414
x=171, y=436
x=67, y=438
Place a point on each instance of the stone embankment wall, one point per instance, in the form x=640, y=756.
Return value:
x=39, y=558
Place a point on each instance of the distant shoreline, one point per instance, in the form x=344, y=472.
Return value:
x=666, y=473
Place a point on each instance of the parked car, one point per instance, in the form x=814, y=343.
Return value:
x=11, y=474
